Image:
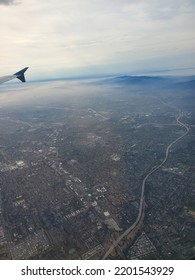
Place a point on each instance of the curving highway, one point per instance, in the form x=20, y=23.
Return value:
x=154, y=169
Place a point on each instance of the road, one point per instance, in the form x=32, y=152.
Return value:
x=154, y=169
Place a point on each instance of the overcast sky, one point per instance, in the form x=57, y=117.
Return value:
x=79, y=37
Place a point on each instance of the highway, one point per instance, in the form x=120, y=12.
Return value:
x=154, y=169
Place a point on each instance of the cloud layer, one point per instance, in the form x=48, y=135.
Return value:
x=97, y=36
x=7, y=2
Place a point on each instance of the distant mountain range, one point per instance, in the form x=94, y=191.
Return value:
x=136, y=79
x=148, y=81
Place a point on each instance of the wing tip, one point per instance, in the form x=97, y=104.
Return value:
x=20, y=74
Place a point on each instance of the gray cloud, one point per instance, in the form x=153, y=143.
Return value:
x=7, y=2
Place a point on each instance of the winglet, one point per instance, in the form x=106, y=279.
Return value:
x=20, y=75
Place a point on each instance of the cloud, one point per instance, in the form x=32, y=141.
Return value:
x=166, y=10
x=7, y=2
x=94, y=34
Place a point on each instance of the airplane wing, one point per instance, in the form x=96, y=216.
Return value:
x=19, y=75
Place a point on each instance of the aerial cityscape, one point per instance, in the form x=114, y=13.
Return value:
x=97, y=133
x=98, y=169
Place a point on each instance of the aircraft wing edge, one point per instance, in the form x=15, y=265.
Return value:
x=19, y=75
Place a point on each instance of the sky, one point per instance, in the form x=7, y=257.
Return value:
x=67, y=38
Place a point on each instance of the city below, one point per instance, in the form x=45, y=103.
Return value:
x=98, y=169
